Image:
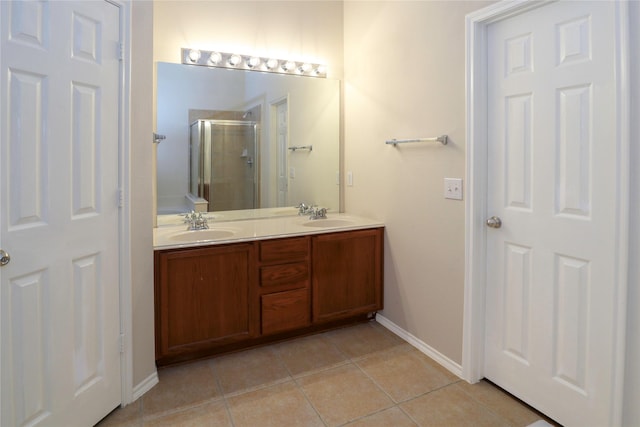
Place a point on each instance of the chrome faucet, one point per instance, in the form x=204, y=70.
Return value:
x=312, y=210
x=318, y=213
x=304, y=209
x=196, y=221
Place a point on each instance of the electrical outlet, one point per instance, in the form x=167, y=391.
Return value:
x=292, y=173
x=350, y=179
x=453, y=188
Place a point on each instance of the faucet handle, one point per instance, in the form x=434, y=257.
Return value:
x=187, y=216
x=302, y=208
x=196, y=221
x=202, y=221
x=317, y=213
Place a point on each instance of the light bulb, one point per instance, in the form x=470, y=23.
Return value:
x=304, y=68
x=194, y=55
x=215, y=58
x=253, y=62
x=289, y=65
x=272, y=64
x=234, y=60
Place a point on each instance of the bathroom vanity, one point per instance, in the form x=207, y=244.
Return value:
x=247, y=283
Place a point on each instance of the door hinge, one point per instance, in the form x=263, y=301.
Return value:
x=120, y=51
x=121, y=343
x=120, y=198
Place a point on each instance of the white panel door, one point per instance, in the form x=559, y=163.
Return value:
x=552, y=163
x=60, y=92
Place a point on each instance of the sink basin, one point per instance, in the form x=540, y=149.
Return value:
x=329, y=222
x=202, y=235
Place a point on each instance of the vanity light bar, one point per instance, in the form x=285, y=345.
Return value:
x=235, y=61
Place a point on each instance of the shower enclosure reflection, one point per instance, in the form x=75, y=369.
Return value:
x=224, y=164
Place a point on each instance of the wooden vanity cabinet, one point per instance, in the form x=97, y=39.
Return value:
x=285, y=296
x=220, y=298
x=204, y=298
x=347, y=274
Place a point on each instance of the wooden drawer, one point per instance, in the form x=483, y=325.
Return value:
x=283, y=311
x=296, y=275
x=286, y=250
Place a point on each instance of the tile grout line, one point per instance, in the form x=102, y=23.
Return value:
x=487, y=408
x=300, y=389
x=354, y=361
x=306, y=397
x=393, y=401
x=398, y=403
x=408, y=415
x=221, y=390
x=178, y=410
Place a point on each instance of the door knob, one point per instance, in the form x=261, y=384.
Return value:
x=4, y=258
x=494, y=222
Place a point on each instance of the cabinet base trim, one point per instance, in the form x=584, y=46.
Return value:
x=423, y=347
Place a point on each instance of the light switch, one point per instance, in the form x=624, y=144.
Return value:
x=453, y=188
x=350, y=178
x=292, y=173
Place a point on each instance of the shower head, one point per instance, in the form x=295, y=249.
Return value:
x=246, y=114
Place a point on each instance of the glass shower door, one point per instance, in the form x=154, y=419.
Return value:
x=226, y=165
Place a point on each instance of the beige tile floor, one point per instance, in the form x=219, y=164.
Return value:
x=361, y=375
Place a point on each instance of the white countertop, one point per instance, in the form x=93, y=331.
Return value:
x=176, y=235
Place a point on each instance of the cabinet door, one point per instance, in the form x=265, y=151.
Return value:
x=205, y=297
x=346, y=274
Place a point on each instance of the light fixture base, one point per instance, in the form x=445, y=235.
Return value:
x=206, y=58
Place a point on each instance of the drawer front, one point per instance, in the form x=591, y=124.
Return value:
x=283, y=311
x=294, y=274
x=284, y=249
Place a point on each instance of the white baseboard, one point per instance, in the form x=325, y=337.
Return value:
x=145, y=385
x=443, y=360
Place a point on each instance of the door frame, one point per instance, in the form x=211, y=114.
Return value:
x=280, y=152
x=477, y=149
x=124, y=223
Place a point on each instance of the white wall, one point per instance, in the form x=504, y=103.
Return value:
x=142, y=211
x=306, y=31
x=404, y=78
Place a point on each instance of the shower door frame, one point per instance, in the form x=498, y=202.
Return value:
x=201, y=160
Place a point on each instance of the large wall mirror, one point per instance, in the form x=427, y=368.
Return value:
x=246, y=141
